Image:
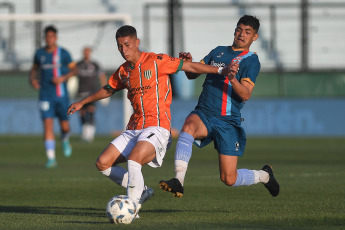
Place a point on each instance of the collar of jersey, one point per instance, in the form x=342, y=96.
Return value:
x=239, y=50
x=138, y=62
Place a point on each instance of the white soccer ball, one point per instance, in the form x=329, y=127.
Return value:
x=121, y=210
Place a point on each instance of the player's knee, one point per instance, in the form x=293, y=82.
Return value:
x=188, y=128
x=101, y=165
x=229, y=180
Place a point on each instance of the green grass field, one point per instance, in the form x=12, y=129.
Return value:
x=311, y=173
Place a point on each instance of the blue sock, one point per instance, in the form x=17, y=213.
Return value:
x=244, y=177
x=184, y=147
x=49, y=144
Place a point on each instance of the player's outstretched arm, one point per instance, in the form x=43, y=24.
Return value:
x=187, y=57
x=195, y=67
x=102, y=93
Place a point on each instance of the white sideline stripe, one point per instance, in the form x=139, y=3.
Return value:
x=92, y=179
x=288, y=175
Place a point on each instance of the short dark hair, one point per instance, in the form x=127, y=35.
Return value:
x=50, y=28
x=125, y=31
x=251, y=21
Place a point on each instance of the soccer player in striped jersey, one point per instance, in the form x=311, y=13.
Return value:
x=217, y=116
x=56, y=66
x=147, y=135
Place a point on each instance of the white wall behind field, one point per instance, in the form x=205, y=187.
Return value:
x=203, y=29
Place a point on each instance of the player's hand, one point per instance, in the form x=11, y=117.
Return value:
x=35, y=84
x=58, y=80
x=231, y=70
x=185, y=56
x=74, y=107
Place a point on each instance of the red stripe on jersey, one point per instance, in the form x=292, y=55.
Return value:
x=55, y=71
x=225, y=96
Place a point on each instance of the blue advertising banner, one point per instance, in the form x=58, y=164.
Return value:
x=262, y=117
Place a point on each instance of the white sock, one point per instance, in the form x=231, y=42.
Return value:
x=261, y=176
x=180, y=170
x=135, y=181
x=50, y=154
x=117, y=174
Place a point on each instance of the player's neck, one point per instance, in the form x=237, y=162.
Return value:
x=234, y=48
x=136, y=59
x=50, y=48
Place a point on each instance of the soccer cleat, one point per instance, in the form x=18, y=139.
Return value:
x=137, y=213
x=147, y=194
x=173, y=185
x=272, y=184
x=51, y=163
x=67, y=148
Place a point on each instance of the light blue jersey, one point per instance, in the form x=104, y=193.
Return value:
x=53, y=99
x=52, y=64
x=219, y=106
x=217, y=97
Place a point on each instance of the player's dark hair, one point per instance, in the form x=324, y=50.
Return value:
x=126, y=31
x=251, y=21
x=50, y=28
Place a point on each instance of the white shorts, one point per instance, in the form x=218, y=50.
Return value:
x=159, y=137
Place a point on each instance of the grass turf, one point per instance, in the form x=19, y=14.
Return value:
x=74, y=195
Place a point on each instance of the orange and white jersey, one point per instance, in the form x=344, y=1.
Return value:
x=149, y=89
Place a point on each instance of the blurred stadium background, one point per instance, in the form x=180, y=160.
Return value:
x=300, y=90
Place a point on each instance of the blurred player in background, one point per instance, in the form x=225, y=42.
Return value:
x=90, y=77
x=217, y=116
x=147, y=136
x=56, y=66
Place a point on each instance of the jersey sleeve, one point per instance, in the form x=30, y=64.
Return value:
x=168, y=65
x=251, y=69
x=115, y=81
x=67, y=59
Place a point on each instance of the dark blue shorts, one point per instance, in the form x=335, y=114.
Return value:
x=228, y=138
x=54, y=107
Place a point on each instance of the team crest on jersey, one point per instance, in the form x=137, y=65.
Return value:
x=148, y=74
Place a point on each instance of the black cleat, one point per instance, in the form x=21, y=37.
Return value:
x=173, y=185
x=272, y=184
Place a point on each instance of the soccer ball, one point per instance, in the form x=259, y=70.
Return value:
x=121, y=210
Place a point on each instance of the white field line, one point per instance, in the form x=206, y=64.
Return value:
x=93, y=179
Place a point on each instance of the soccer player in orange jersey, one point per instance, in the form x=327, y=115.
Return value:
x=147, y=135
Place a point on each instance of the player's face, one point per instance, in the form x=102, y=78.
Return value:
x=128, y=47
x=51, y=39
x=244, y=37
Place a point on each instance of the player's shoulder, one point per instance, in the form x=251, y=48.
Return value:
x=160, y=57
x=220, y=49
x=124, y=67
x=40, y=50
x=64, y=51
x=252, y=56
